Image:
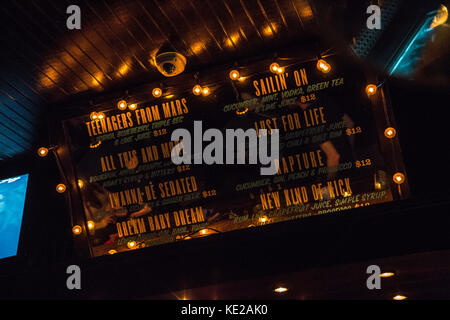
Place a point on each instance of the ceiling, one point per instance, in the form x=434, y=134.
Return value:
x=419, y=276
x=44, y=63
x=45, y=66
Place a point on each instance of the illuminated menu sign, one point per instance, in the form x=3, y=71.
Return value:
x=333, y=156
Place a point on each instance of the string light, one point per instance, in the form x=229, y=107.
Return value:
x=371, y=89
x=131, y=244
x=132, y=106
x=399, y=178
x=77, y=230
x=90, y=225
x=323, y=66
x=206, y=91
x=197, y=89
x=390, y=133
x=122, y=105
x=157, y=92
x=42, y=151
x=274, y=67
x=60, y=188
x=234, y=75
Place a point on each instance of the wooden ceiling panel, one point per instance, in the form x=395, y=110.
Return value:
x=45, y=64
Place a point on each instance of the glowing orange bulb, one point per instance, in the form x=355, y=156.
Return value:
x=100, y=115
x=371, y=89
x=281, y=289
x=387, y=274
x=280, y=70
x=399, y=297
x=234, y=74
x=157, y=92
x=112, y=251
x=77, y=230
x=42, y=152
x=132, y=106
x=90, y=225
x=203, y=231
x=274, y=67
x=206, y=91
x=93, y=116
x=263, y=219
x=60, y=188
x=131, y=244
x=122, y=105
x=197, y=90
x=323, y=66
x=80, y=183
x=390, y=132
x=399, y=178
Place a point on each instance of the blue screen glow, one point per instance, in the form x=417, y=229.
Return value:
x=12, y=202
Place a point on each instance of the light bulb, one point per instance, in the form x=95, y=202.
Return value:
x=281, y=289
x=280, y=70
x=371, y=89
x=274, y=67
x=234, y=75
x=399, y=297
x=122, y=105
x=387, y=274
x=60, y=188
x=390, y=133
x=93, y=116
x=323, y=66
x=90, y=225
x=77, y=230
x=131, y=244
x=206, y=91
x=399, y=178
x=157, y=92
x=80, y=183
x=42, y=151
x=132, y=106
x=100, y=115
x=197, y=90
x=112, y=251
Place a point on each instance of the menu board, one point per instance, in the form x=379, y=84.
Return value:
x=331, y=157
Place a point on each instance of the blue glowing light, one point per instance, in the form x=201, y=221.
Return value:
x=408, y=59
